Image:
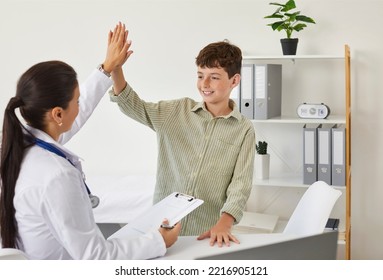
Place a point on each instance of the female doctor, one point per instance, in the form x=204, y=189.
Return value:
x=45, y=206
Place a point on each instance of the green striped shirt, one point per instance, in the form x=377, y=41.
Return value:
x=208, y=157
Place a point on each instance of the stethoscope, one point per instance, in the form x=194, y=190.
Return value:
x=94, y=200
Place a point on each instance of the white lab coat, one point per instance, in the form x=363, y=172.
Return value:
x=53, y=210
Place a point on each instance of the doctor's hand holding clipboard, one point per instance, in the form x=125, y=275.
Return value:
x=169, y=233
x=164, y=215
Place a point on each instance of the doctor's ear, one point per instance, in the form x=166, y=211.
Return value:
x=57, y=115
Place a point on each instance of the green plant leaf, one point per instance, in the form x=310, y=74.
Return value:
x=277, y=25
x=274, y=16
x=289, y=6
x=305, y=19
x=299, y=27
x=261, y=147
x=276, y=4
x=292, y=15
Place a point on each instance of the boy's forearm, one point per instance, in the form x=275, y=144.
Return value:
x=119, y=82
x=226, y=219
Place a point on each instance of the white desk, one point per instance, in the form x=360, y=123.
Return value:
x=188, y=247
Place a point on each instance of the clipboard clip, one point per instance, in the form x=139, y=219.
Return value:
x=184, y=196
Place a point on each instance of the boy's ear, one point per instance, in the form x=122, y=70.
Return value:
x=236, y=80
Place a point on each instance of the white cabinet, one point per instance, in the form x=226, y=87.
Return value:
x=311, y=79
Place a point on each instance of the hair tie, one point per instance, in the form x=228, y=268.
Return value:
x=14, y=103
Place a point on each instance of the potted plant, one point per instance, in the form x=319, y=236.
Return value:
x=262, y=161
x=289, y=21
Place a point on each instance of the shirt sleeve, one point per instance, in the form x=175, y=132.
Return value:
x=91, y=92
x=240, y=186
x=68, y=212
x=150, y=114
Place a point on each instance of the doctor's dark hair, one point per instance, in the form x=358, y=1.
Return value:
x=42, y=87
x=221, y=54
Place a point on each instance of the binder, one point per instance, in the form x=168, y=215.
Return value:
x=310, y=154
x=267, y=91
x=173, y=207
x=247, y=91
x=324, y=153
x=235, y=95
x=338, y=155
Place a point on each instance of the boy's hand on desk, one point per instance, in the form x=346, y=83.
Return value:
x=221, y=232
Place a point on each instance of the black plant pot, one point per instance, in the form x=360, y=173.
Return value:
x=289, y=46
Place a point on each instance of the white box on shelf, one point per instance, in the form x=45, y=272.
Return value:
x=252, y=222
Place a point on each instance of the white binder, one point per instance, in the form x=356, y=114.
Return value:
x=324, y=153
x=267, y=91
x=247, y=91
x=339, y=156
x=174, y=207
x=310, y=154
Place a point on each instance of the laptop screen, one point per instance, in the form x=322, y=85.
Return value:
x=314, y=247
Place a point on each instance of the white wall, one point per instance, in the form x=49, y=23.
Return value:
x=167, y=36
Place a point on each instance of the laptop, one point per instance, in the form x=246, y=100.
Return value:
x=314, y=247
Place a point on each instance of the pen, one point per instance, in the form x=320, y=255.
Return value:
x=166, y=226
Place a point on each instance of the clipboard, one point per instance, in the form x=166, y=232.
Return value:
x=173, y=207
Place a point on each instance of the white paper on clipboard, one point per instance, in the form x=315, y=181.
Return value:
x=173, y=207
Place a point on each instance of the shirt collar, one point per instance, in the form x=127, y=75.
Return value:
x=234, y=113
x=45, y=137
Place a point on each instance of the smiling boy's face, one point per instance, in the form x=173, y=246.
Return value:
x=215, y=86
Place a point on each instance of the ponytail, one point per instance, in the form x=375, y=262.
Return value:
x=12, y=150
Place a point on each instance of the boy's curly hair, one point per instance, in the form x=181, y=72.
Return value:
x=221, y=54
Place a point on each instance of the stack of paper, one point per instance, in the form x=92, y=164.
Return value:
x=256, y=223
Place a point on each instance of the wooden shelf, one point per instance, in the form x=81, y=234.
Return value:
x=285, y=180
x=335, y=119
x=292, y=57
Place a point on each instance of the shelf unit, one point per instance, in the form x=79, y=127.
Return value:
x=292, y=180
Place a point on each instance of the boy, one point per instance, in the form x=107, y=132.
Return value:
x=206, y=149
